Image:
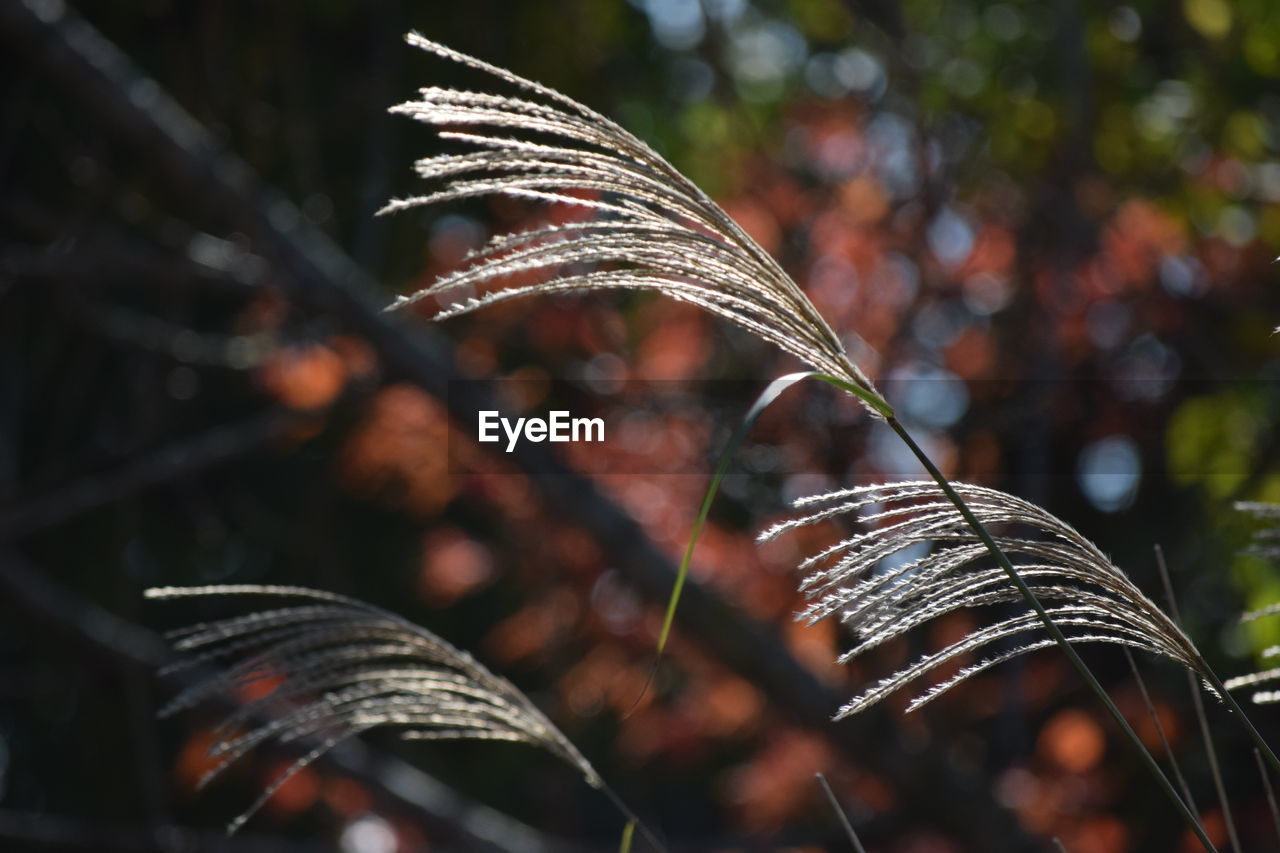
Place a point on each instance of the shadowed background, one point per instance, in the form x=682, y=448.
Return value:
x=1047, y=228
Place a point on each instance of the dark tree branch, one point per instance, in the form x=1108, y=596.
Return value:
x=218, y=445
x=33, y=831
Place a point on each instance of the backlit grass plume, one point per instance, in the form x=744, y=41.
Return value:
x=1266, y=543
x=654, y=229
x=873, y=583
x=339, y=667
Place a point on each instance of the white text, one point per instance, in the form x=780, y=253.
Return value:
x=559, y=426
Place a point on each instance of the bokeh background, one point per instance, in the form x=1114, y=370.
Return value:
x=1048, y=228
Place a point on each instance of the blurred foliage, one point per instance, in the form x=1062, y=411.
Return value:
x=1048, y=228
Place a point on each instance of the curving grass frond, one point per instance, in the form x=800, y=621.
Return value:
x=654, y=229
x=872, y=584
x=341, y=667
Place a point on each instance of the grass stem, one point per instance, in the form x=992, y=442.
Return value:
x=1053, y=630
x=633, y=822
x=1164, y=738
x=1271, y=794
x=840, y=813
x=1212, y=677
x=1202, y=718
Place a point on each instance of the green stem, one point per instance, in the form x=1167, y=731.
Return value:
x=633, y=822
x=1052, y=628
x=762, y=402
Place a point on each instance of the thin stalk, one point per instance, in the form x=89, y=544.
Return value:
x=765, y=399
x=632, y=821
x=844, y=818
x=1164, y=739
x=1211, y=676
x=762, y=402
x=1052, y=628
x=1271, y=794
x=1202, y=718
x=1259, y=741
x=1215, y=771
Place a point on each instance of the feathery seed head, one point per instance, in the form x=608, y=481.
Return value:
x=654, y=229
x=868, y=583
x=344, y=667
x=1266, y=543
